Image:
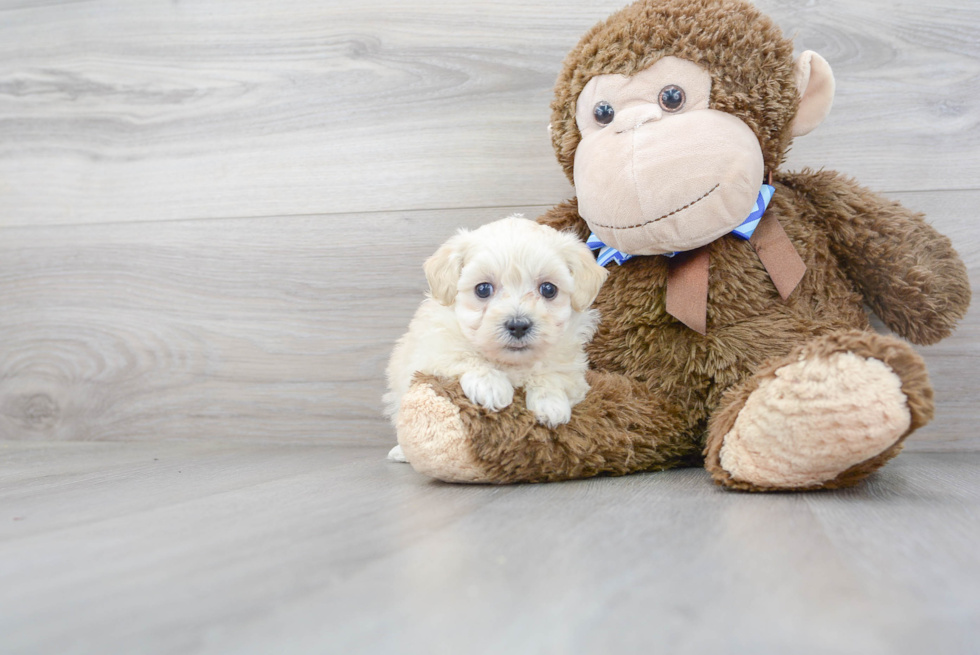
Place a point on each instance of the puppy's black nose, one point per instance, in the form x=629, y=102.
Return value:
x=518, y=327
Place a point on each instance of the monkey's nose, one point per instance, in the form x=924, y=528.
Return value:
x=518, y=327
x=637, y=116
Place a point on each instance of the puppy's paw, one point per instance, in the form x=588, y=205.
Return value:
x=491, y=390
x=550, y=407
x=396, y=454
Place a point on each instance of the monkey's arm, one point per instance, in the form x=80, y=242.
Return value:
x=620, y=427
x=909, y=273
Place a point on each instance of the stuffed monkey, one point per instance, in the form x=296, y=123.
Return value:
x=733, y=332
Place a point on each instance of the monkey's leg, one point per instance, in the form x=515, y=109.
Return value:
x=621, y=427
x=825, y=416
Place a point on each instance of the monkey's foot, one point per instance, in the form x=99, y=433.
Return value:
x=825, y=416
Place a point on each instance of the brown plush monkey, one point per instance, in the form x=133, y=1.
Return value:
x=752, y=356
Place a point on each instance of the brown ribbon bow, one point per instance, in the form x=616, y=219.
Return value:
x=687, y=273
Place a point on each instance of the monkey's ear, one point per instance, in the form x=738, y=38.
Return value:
x=442, y=270
x=588, y=275
x=815, y=83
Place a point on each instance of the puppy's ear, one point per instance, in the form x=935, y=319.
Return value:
x=442, y=270
x=588, y=275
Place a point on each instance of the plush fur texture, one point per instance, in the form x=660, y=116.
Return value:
x=813, y=419
x=620, y=427
x=897, y=356
x=436, y=442
x=663, y=395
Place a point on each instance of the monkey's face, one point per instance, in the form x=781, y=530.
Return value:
x=657, y=170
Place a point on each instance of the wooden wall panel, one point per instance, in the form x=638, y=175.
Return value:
x=112, y=110
x=265, y=329
x=274, y=329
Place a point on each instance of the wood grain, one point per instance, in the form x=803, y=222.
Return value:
x=276, y=329
x=265, y=329
x=119, y=111
x=219, y=548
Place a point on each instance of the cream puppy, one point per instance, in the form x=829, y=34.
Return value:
x=508, y=307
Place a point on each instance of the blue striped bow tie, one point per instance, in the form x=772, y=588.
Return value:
x=744, y=230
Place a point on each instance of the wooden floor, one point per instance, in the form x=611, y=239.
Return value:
x=231, y=548
x=212, y=222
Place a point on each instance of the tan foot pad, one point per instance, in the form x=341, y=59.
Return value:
x=814, y=420
x=433, y=437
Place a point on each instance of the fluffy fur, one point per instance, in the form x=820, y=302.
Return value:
x=663, y=395
x=515, y=337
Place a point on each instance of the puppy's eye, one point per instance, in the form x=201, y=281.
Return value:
x=672, y=98
x=483, y=290
x=604, y=113
x=548, y=290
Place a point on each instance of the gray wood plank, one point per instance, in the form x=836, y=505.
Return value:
x=120, y=111
x=252, y=329
x=276, y=330
x=186, y=548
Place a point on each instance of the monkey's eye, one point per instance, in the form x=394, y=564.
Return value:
x=483, y=290
x=548, y=290
x=672, y=98
x=603, y=113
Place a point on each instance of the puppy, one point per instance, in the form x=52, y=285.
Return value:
x=508, y=307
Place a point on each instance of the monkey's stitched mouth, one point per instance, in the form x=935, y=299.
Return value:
x=679, y=209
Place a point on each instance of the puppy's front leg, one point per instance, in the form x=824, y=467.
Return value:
x=488, y=388
x=546, y=397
